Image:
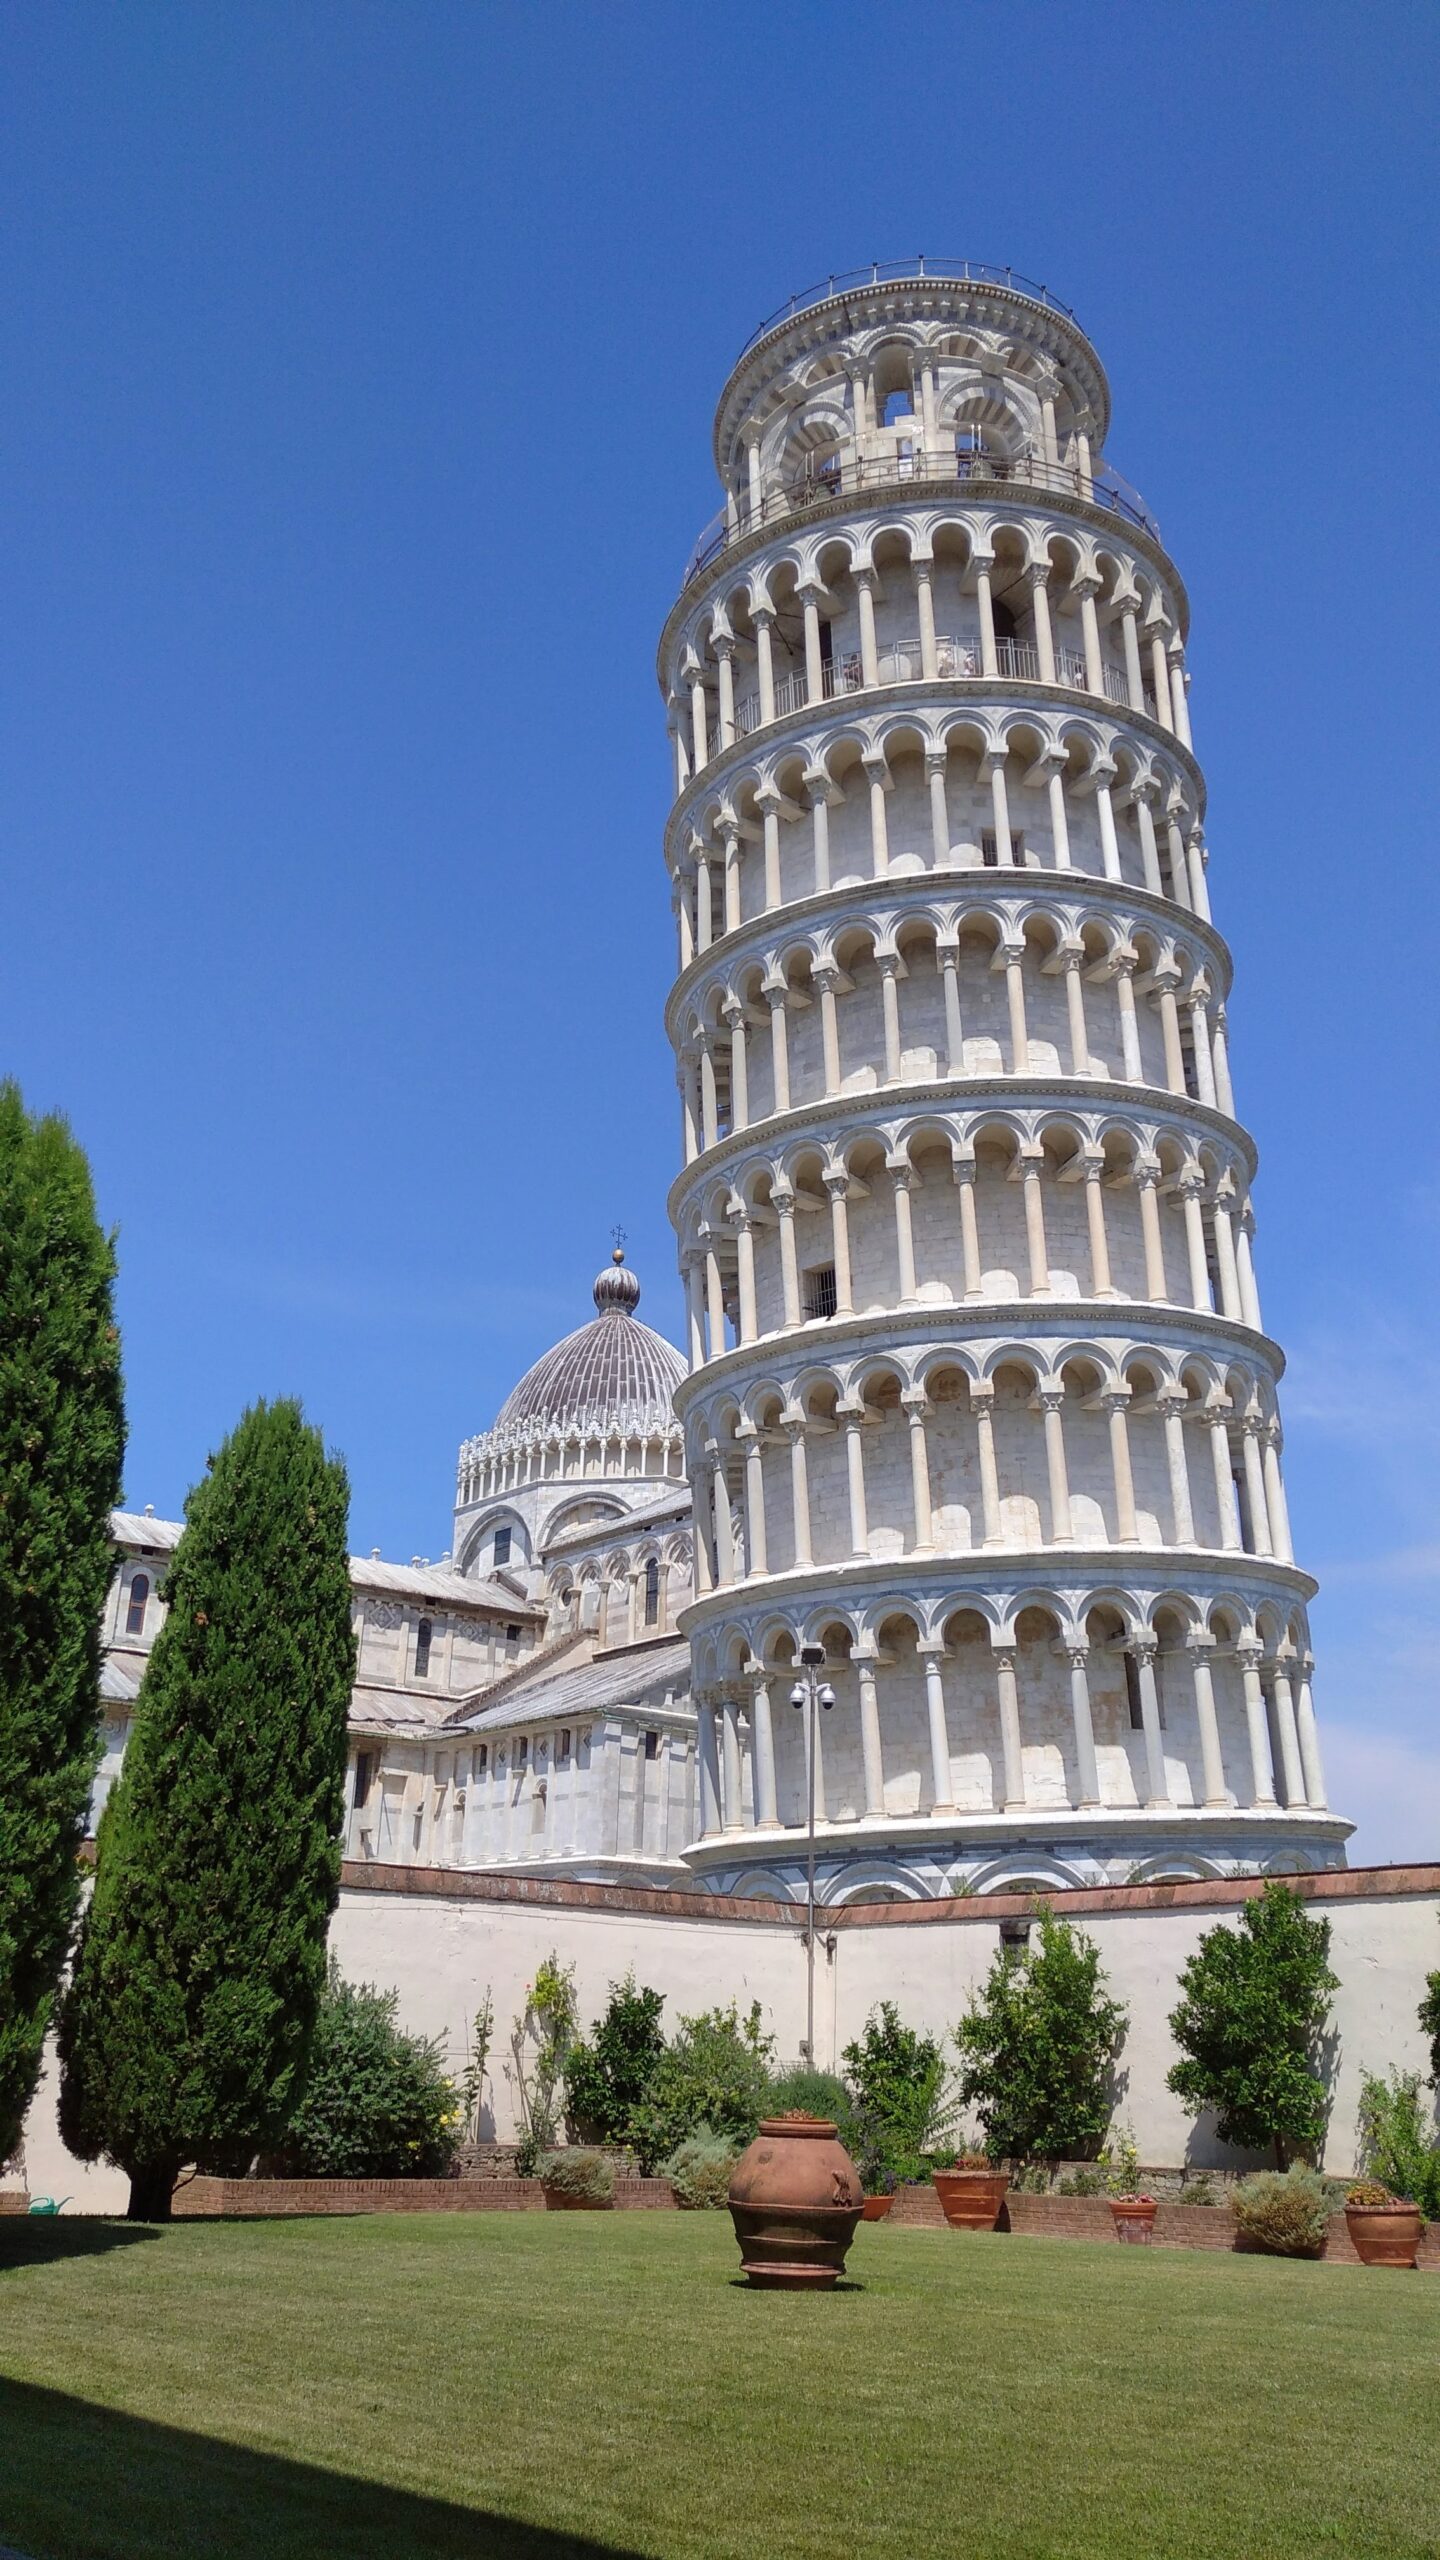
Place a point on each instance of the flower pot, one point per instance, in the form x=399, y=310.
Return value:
x=795, y=2201
x=1385, y=2235
x=1134, y=2218
x=875, y=2208
x=970, y=2199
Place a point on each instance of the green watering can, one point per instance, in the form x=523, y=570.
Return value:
x=48, y=2204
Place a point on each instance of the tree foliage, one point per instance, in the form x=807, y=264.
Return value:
x=541, y=2041
x=897, y=2078
x=62, y=1437
x=1254, y=2007
x=377, y=2102
x=1397, y=2142
x=715, y=2073
x=202, y=1958
x=1430, y=2024
x=608, y=2073
x=1038, y=2045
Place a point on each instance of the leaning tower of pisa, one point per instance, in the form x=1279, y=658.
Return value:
x=980, y=1396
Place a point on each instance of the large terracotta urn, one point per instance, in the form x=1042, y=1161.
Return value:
x=795, y=2200
x=970, y=2199
x=1385, y=2235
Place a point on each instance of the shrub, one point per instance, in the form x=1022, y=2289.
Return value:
x=700, y=2169
x=1396, y=2146
x=1368, y=2196
x=587, y=2175
x=547, y=2022
x=608, y=2073
x=1255, y=2004
x=1037, y=2047
x=801, y=2091
x=897, y=2078
x=1284, y=2213
x=1430, y=2024
x=377, y=2103
x=716, y=2073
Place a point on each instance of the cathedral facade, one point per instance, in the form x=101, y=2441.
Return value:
x=977, y=1408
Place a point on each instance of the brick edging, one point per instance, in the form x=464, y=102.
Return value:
x=461, y=1884
x=269, y=2199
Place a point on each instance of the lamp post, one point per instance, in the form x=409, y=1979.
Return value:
x=811, y=1693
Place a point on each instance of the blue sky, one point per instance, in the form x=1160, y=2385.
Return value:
x=360, y=366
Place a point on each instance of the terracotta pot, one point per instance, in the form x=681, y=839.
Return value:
x=556, y=2202
x=1134, y=2217
x=795, y=2201
x=876, y=2208
x=970, y=2199
x=1385, y=2235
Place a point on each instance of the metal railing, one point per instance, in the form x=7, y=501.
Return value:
x=943, y=468
x=904, y=271
x=902, y=662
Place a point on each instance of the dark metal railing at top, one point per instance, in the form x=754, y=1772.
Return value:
x=1100, y=487
x=903, y=271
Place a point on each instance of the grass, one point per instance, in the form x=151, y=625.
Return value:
x=520, y=2387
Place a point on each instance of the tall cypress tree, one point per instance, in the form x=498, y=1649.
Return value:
x=62, y=1441
x=186, y=2030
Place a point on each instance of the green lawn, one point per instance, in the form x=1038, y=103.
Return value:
x=547, y=2387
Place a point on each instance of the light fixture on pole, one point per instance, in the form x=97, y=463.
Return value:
x=811, y=1693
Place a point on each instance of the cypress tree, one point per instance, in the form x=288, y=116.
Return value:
x=62, y=1440
x=186, y=2030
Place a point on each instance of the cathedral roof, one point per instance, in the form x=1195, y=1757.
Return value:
x=613, y=1368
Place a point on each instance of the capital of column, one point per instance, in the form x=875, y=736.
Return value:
x=1250, y=1652
x=916, y=1403
x=1077, y=1655
x=769, y=799
x=1145, y=1645
x=1114, y=1399
x=837, y=1181
x=1049, y=1399
x=877, y=770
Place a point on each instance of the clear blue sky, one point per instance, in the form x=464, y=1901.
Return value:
x=360, y=367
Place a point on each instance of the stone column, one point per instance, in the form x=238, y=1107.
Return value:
x=888, y=963
x=1052, y=1400
x=851, y=1418
x=902, y=1178
x=1059, y=825
x=724, y=1527
x=1172, y=1409
x=709, y=1107
x=1087, y=590
x=1011, y=1752
x=779, y=1045
x=756, y=1559
x=865, y=583
x=695, y=1309
x=1149, y=850
x=1130, y=640
x=814, y=663
x=1012, y=955
x=1293, y=1775
x=1276, y=1505
x=1160, y=670
x=1190, y=1186
x=1072, y=962
x=1114, y=1401
x=745, y=1256
x=725, y=660
x=837, y=1183
x=784, y=1206
x=762, y=1754
x=1147, y=1178
x=767, y=801
x=877, y=774
x=1231, y=1302
x=982, y=1398
x=1262, y=1787
x=1156, y=1781
x=1255, y=1484
x=765, y=662
x=925, y=607
x=994, y=767
x=1245, y=1266
x=989, y=659
x=793, y=1426
x=1101, y=1284
x=825, y=981
x=734, y=1017
x=732, y=1797
x=969, y=1229
x=704, y=901
x=870, y=1751
x=1310, y=1742
x=1179, y=695
x=1200, y=1044
x=817, y=801
x=715, y=1302
x=1109, y=841
x=698, y=722
x=1036, y=1247
x=708, y=1755
x=948, y=956
x=1216, y=1794
x=1224, y=1484
x=939, y=811
x=942, y=1783
x=913, y=1402
x=1038, y=576
x=1087, y=1773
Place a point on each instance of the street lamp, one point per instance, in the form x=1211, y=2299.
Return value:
x=813, y=1693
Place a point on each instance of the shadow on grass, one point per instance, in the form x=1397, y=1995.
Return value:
x=40, y=2240
x=81, y=2482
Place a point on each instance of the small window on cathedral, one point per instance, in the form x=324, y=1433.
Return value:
x=502, y=1545
x=562, y=1747
x=482, y=1759
x=652, y=1592
x=135, y=1607
x=364, y=1764
x=652, y=1746
x=522, y=1751
x=512, y=1636
x=820, y=1293
x=424, y=1637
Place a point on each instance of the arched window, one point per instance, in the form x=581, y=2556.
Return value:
x=424, y=1637
x=503, y=1539
x=135, y=1607
x=652, y=1592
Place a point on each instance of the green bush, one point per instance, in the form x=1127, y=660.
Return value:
x=1249, y=2027
x=1283, y=2212
x=897, y=2079
x=716, y=2073
x=377, y=2103
x=700, y=2169
x=800, y=2091
x=1396, y=2145
x=608, y=2073
x=587, y=2175
x=1430, y=2024
x=1037, y=2047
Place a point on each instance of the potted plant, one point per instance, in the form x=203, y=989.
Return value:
x=1134, y=2217
x=577, y=2181
x=971, y=2192
x=1385, y=2230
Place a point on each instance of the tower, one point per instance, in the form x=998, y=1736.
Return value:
x=979, y=1397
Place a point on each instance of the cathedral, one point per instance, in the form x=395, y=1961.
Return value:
x=977, y=1412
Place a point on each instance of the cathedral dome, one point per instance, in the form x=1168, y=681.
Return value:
x=612, y=1367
